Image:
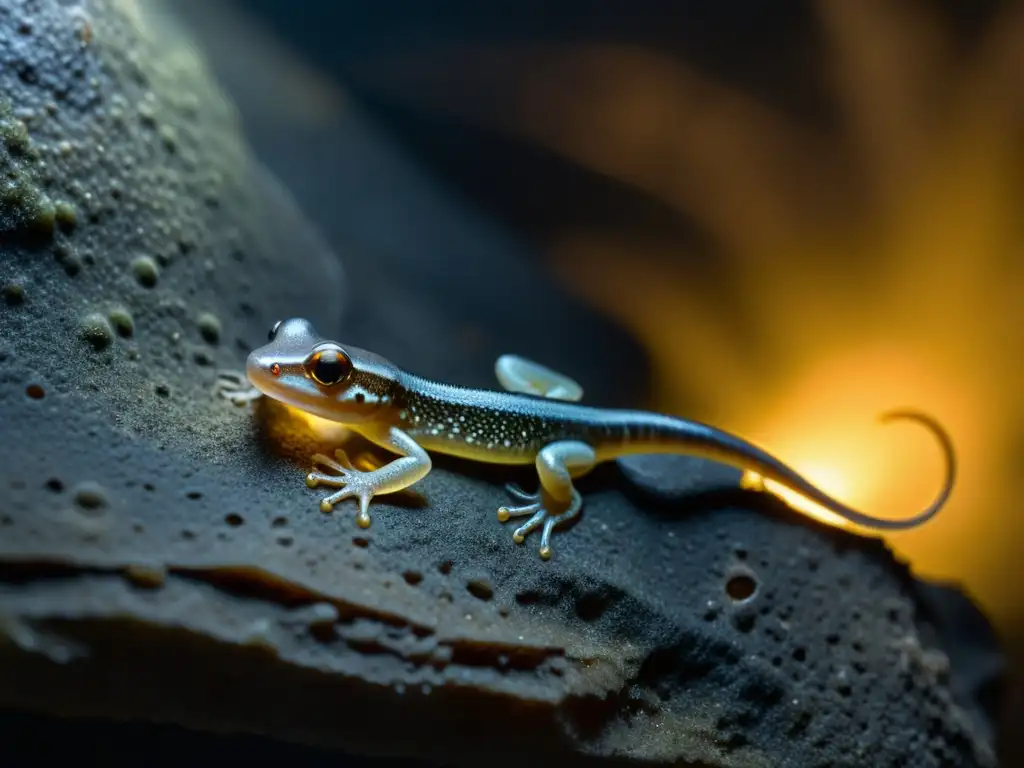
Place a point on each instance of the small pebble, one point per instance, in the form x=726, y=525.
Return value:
x=480, y=589
x=209, y=327
x=95, y=329
x=122, y=321
x=146, y=271
x=45, y=215
x=91, y=497
x=169, y=137
x=66, y=216
x=14, y=294
x=146, y=576
x=68, y=259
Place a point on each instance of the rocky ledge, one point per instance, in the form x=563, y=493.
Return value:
x=161, y=559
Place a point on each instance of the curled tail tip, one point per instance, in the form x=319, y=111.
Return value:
x=926, y=420
x=909, y=414
x=949, y=452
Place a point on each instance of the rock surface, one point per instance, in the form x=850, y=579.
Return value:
x=160, y=557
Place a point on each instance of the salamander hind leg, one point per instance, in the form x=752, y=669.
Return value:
x=557, y=501
x=517, y=374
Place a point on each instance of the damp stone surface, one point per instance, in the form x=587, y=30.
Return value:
x=161, y=559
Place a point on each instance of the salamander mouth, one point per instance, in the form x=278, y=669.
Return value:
x=258, y=370
x=282, y=378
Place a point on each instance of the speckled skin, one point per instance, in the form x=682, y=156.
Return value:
x=411, y=415
x=512, y=428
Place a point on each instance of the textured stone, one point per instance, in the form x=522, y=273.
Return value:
x=679, y=478
x=161, y=558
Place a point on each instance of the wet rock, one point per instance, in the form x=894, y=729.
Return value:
x=162, y=559
x=976, y=668
x=678, y=478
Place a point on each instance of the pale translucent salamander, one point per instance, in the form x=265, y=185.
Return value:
x=537, y=420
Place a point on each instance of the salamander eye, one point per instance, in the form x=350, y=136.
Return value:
x=273, y=331
x=328, y=366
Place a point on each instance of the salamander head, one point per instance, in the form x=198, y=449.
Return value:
x=338, y=382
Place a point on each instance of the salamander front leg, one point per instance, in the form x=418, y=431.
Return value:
x=414, y=464
x=557, y=501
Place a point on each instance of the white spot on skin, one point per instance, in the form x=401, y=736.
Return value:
x=455, y=430
x=469, y=438
x=508, y=443
x=403, y=415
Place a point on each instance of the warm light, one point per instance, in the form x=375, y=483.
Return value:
x=832, y=480
x=303, y=434
x=826, y=427
x=297, y=434
x=323, y=429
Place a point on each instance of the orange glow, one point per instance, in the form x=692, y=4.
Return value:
x=830, y=478
x=812, y=395
x=826, y=427
x=299, y=435
x=324, y=430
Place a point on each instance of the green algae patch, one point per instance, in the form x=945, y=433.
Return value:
x=25, y=210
